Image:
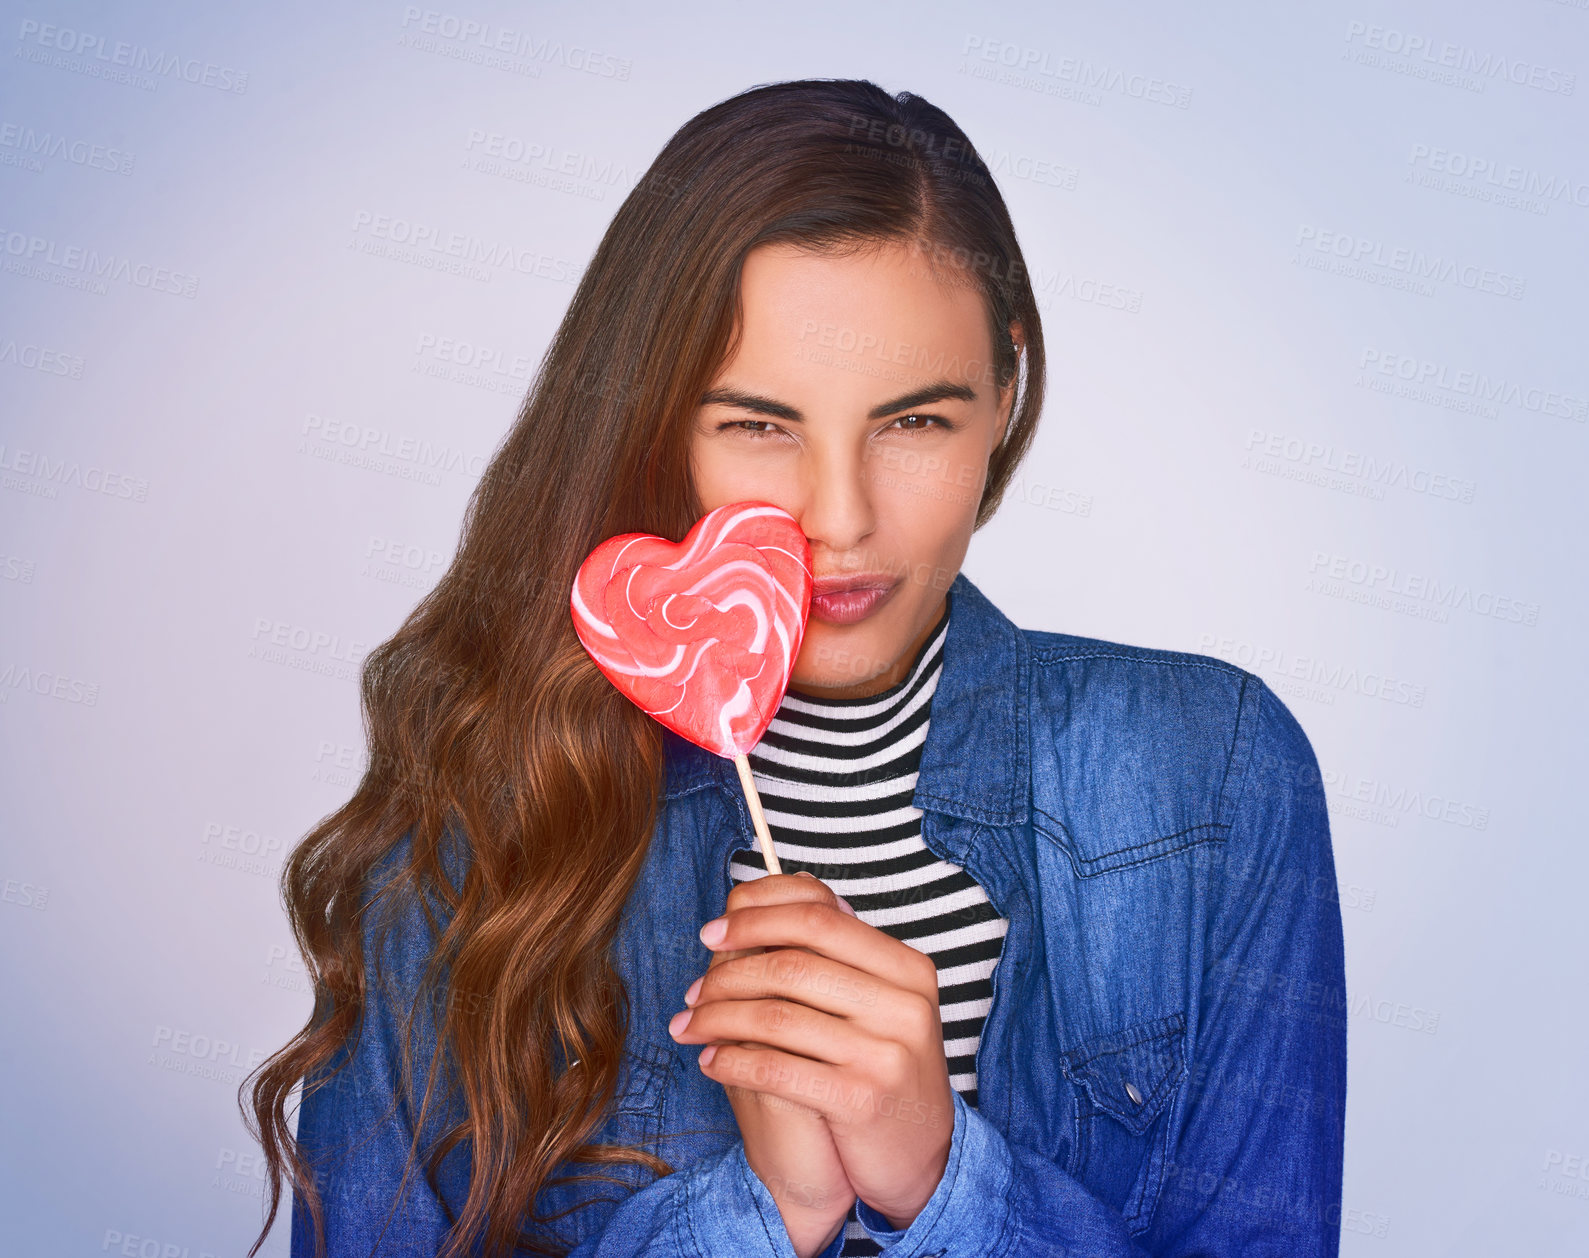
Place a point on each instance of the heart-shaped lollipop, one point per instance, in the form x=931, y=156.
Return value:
x=702, y=634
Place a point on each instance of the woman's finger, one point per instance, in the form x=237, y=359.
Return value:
x=825, y=930
x=799, y=1081
x=780, y=1024
x=818, y=982
x=784, y=888
x=843, y=903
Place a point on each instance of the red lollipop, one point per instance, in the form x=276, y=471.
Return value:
x=702, y=634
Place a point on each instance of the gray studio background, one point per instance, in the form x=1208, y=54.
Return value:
x=1313, y=279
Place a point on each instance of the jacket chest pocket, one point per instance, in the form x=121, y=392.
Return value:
x=636, y=1116
x=1126, y=1085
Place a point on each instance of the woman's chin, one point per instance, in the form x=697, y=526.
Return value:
x=839, y=661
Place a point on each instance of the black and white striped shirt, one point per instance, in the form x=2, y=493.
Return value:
x=836, y=778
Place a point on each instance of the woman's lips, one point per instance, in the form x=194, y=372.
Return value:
x=845, y=607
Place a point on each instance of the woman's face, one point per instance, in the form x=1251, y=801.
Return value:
x=861, y=400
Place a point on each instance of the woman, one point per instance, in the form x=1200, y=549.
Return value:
x=1069, y=977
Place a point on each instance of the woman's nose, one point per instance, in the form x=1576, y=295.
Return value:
x=839, y=512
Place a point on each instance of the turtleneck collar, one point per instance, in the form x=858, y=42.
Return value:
x=975, y=763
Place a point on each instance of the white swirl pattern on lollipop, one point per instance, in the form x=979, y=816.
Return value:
x=701, y=634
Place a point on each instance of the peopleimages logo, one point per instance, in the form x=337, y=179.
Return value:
x=1029, y=66
x=49, y=473
x=481, y=38
x=51, y=362
x=30, y=147
x=1384, y=585
x=1329, y=676
x=1323, y=463
x=1388, y=803
x=1502, y=176
x=97, y=55
x=1346, y=250
x=1442, y=378
x=27, y=253
x=1371, y=44
x=406, y=240
x=384, y=450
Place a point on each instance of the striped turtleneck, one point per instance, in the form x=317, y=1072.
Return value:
x=836, y=777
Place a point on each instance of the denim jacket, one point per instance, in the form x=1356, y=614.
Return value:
x=1163, y=1068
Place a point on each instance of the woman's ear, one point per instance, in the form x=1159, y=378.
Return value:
x=1007, y=393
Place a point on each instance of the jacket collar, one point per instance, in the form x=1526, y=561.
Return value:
x=975, y=763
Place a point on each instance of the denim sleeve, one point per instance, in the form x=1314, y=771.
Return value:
x=717, y=1207
x=1259, y=1166
x=876, y=1225
x=1256, y=1164
x=356, y=1128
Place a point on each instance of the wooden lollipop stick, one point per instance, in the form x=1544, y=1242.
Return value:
x=754, y=800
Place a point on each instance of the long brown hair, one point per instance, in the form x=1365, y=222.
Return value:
x=485, y=717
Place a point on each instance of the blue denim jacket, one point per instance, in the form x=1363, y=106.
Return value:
x=1162, y=1071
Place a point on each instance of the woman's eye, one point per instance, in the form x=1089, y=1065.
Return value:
x=926, y=421
x=744, y=425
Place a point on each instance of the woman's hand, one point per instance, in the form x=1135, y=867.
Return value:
x=787, y=1143
x=856, y=1039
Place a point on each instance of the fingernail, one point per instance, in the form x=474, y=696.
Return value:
x=707, y=1053
x=713, y=931
x=679, y=1022
x=695, y=990
x=805, y=873
x=845, y=905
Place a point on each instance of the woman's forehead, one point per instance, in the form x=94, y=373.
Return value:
x=872, y=326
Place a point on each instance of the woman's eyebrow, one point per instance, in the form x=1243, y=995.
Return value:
x=938, y=391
